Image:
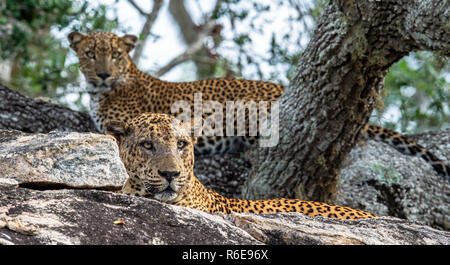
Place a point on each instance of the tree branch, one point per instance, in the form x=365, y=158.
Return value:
x=150, y=19
x=184, y=21
x=138, y=8
x=191, y=50
x=193, y=35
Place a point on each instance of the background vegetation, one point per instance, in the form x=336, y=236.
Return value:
x=243, y=39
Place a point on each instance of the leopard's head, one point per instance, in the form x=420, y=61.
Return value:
x=103, y=57
x=157, y=151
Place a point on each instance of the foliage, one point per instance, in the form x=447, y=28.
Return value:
x=253, y=21
x=37, y=57
x=416, y=87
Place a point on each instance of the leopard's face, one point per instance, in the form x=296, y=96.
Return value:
x=103, y=58
x=157, y=152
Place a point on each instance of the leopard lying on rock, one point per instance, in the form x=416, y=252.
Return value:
x=119, y=91
x=158, y=153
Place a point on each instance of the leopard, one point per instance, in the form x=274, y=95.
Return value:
x=157, y=151
x=119, y=91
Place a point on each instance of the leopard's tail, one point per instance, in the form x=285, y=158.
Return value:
x=406, y=146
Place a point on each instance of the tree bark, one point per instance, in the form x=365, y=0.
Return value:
x=337, y=83
x=18, y=112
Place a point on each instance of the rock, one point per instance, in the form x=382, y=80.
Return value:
x=295, y=229
x=60, y=159
x=88, y=217
x=378, y=179
x=224, y=173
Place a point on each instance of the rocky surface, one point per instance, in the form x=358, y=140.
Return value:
x=58, y=188
x=60, y=159
x=89, y=216
x=294, y=228
x=375, y=177
x=385, y=186
x=100, y=217
x=224, y=173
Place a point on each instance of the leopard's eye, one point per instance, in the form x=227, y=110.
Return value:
x=115, y=55
x=90, y=54
x=147, y=145
x=181, y=145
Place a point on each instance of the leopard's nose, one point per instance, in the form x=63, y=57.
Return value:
x=169, y=175
x=103, y=75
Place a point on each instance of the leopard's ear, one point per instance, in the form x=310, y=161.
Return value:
x=75, y=39
x=117, y=129
x=130, y=41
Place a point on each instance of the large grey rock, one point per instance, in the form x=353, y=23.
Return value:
x=60, y=159
x=295, y=228
x=377, y=178
x=87, y=217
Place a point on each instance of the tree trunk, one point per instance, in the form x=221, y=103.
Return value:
x=18, y=112
x=337, y=83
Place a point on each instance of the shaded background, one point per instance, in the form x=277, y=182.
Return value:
x=184, y=40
